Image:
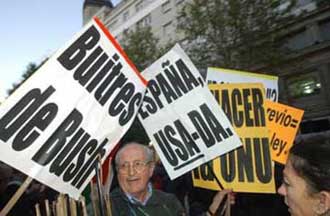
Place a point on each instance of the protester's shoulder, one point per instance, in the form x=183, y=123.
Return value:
x=170, y=200
x=115, y=193
x=164, y=196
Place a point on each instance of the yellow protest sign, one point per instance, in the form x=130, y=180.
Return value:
x=283, y=123
x=248, y=168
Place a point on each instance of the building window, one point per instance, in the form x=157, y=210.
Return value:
x=301, y=3
x=139, y=6
x=180, y=19
x=113, y=24
x=297, y=40
x=167, y=28
x=125, y=32
x=178, y=1
x=304, y=85
x=126, y=15
x=166, y=6
x=325, y=29
x=145, y=21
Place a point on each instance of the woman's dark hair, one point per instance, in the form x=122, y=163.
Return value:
x=311, y=160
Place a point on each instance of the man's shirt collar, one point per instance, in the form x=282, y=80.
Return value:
x=133, y=200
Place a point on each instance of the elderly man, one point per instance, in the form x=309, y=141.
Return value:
x=135, y=165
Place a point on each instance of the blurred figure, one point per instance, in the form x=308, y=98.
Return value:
x=306, y=179
x=10, y=181
x=5, y=174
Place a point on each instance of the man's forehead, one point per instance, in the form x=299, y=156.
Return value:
x=132, y=146
x=132, y=150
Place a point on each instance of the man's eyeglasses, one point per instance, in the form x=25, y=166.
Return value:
x=138, y=166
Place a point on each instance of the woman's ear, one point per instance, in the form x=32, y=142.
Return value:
x=323, y=203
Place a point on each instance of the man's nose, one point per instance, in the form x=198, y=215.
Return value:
x=131, y=170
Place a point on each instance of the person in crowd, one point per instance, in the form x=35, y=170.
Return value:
x=10, y=181
x=5, y=174
x=135, y=195
x=306, y=179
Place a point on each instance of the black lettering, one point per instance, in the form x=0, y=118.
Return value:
x=22, y=111
x=247, y=108
x=155, y=92
x=238, y=116
x=180, y=150
x=119, y=82
x=99, y=93
x=262, y=160
x=216, y=95
x=213, y=123
x=202, y=129
x=149, y=105
x=176, y=81
x=99, y=76
x=41, y=120
x=79, y=74
x=59, y=164
x=74, y=168
x=71, y=57
x=245, y=162
x=228, y=168
x=166, y=148
x=186, y=138
x=124, y=95
x=196, y=173
x=225, y=105
x=89, y=163
x=126, y=116
x=206, y=173
x=258, y=109
x=167, y=90
x=186, y=74
x=57, y=140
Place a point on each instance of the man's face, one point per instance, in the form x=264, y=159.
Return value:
x=295, y=192
x=132, y=180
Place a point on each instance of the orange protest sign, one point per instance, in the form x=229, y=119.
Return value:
x=283, y=123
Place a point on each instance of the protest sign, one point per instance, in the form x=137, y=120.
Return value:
x=248, y=168
x=283, y=123
x=75, y=107
x=181, y=117
x=221, y=75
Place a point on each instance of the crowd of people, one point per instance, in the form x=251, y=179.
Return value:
x=143, y=187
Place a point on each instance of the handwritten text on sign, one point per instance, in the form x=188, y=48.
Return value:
x=283, y=123
x=74, y=108
x=181, y=117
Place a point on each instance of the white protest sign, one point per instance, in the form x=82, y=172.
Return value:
x=221, y=75
x=181, y=117
x=75, y=107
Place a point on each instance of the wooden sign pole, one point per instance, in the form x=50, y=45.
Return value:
x=16, y=196
x=224, y=203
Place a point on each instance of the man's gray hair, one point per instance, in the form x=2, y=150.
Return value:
x=149, y=153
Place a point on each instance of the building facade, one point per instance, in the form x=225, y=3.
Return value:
x=304, y=76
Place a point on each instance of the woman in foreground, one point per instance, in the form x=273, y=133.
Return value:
x=306, y=179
